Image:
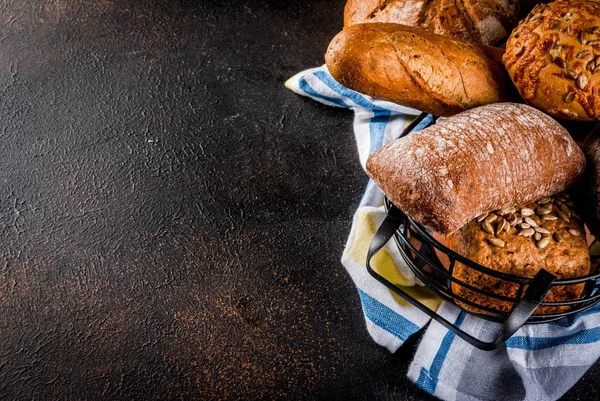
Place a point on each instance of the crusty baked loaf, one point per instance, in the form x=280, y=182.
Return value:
x=417, y=68
x=553, y=58
x=587, y=192
x=488, y=158
x=521, y=241
x=485, y=21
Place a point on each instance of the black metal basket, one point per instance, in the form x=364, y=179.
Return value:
x=423, y=254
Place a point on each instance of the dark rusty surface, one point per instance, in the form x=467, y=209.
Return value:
x=172, y=218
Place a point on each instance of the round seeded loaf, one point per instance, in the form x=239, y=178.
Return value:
x=486, y=21
x=553, y=58
x=521, y=241
x=487, y=158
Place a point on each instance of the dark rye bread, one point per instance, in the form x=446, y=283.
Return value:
x=521, y=241
x=488, y=158
x=481, y=21
x=416, y=68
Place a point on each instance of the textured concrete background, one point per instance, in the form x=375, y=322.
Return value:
x=172, y=218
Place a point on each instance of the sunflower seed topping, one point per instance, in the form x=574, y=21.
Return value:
x=590, y=65
x=528, y=232
x=543, y=211
x=569, y=113
x=527, y=212
x=481, y=217
x=583, y=54
x=542, y=230
x=520, y=51
x=574, y=232
x=570, y=96
x=571, y=73
x=497, y=242
x=563, y=216
x=584, y=37
x=536, y=17
x=491, y=218
x=537, y=236
x=544, y=200
x=549, y=217
x=508, y=210
x=524, y=225
x=542, y=243
x=582, y=81
x=530, y=221
x=487, y=227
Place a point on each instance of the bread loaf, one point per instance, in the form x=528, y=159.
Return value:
x=521, y=241
x=484, y=159
x=417, y=68
x=486, y=21
x=553, y=58
x=587, y=193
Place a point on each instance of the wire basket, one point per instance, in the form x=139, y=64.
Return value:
x=433, y=263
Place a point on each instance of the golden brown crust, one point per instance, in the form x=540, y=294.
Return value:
x=521, y=254
x=483, y=159
x=486, y=22
x=587, y=192
x=553, y=58
x=417, y=68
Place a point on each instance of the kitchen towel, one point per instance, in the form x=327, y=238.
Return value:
x=540, y=362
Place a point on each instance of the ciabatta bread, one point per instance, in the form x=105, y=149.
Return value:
x=416, y=68
x=484, y=159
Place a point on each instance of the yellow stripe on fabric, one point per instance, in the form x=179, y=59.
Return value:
x=384, y=264
x=424, y=295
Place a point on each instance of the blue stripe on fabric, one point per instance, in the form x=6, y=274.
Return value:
x=537, y=343
x=370, y=183
x=386, y=318
x=310, y=91
x=356, y=97
x=572, y=319
x=377, y=127
x=428, y=379
x=424, y=123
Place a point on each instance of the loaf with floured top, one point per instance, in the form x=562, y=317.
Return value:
x=487, y=158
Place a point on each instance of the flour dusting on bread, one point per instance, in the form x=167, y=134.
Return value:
x=492, y=157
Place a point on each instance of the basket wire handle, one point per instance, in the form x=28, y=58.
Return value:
x=536, y=291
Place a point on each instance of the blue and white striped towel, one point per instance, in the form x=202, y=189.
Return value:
x=540, y=362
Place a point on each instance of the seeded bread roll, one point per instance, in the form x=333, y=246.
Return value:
x=486, y=21
x=417, y=68
x=521, y=241
x=484, y=159
x=553, y=58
